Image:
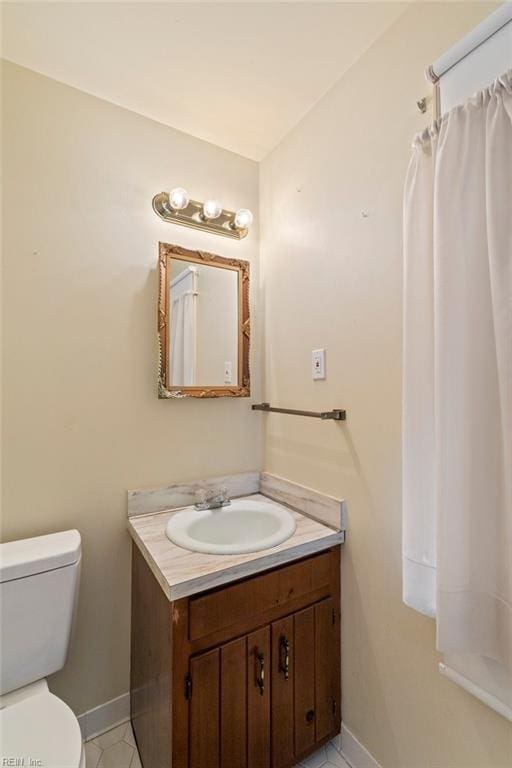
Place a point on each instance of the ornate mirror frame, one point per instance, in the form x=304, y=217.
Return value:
x=242, y=389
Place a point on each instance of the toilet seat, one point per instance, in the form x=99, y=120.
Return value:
x=41, y=730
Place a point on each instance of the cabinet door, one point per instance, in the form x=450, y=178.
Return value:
x=304, y=655
x=258, y=699
x=308, y=711
x=283, y=672
x=204, y=710
x=233, y=704
x=327, y=669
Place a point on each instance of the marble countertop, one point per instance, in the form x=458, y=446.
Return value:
x=181, y=573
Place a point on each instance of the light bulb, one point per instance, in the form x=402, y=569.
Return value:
x=212, y=209
x=178, y=199
x=243, y=218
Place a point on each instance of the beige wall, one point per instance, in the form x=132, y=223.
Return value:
x=81, y=419
x=217, y=328
x=331, y=196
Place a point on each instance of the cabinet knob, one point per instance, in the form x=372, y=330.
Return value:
x=310, y=715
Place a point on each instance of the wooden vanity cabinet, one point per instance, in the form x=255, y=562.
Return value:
x=243, y=676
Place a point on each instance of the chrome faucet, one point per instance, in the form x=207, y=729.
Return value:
x=212, y=498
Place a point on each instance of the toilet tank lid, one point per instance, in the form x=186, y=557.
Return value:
x=28, y=557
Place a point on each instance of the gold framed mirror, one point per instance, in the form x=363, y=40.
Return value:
x=203, y=324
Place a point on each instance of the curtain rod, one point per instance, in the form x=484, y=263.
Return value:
x=481, y=33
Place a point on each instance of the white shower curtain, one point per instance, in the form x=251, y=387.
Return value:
x=183, y=340
x=457, y=394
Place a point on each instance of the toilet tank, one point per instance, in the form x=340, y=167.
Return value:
x=38, y=591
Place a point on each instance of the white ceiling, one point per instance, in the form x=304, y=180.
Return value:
x=240, y=75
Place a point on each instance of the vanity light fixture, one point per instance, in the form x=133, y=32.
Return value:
x=176, y=207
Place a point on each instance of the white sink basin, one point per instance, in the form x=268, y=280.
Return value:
x=244, y=526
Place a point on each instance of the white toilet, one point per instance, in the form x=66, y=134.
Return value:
x=38, y=591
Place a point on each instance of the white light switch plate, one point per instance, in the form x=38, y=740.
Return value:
x=228, y=372
x=318, y=364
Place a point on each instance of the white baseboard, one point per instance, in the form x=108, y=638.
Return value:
x=106, y=716
x=354, y=752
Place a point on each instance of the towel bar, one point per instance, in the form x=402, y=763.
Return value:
x=336, y=415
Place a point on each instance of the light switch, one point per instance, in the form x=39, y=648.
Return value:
x=228, y=372
x=318, y=363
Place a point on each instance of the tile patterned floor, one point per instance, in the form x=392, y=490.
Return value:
x=116, y=749
x=113, y=749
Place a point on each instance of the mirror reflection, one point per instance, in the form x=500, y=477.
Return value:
x=203, y=342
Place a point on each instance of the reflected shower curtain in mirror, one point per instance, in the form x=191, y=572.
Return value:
x=457, y=390
x=183, y=340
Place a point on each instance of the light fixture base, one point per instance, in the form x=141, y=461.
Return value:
x=191, y=216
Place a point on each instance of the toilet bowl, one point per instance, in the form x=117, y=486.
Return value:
x=38, y=589
x=39, y=729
